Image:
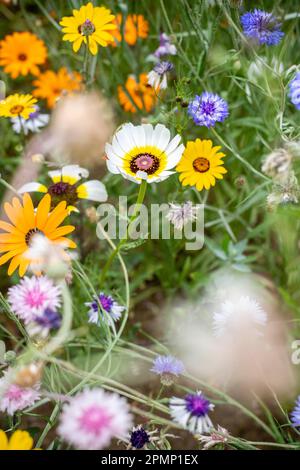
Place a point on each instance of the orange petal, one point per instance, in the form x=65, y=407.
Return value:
x=43, y=211
x=59, y=232
x=56, y=217
x=66, y=242
x=23, y=266
x=14, y=264
x=29, y=210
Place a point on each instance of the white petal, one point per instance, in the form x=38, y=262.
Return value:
x=161, y=136
x=148, y=129
x=125, y=138
x=142, y=174
x=73, y=173
x=116, y=147
x=55, y=175
x=173, y=144
x=174, y=157
x=32, y=187
x=93, y=190
x=138, y=135
x=112, y=167
x=113, y=157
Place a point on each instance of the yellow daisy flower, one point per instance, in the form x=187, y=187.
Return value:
x=21, y=53
x=201, y=164
x=52, y=85
x=17, y=105
x=25, y=223
x=19, y=440
x=90, y=25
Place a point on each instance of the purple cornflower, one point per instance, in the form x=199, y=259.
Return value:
x=111, y=307
x=168, y=367
x=139, y=438
x=49, y=319
x=262, y=26
x=191, y=412
x=207, y=109
x=294, y=93
x=165, y=46
x=295, y=415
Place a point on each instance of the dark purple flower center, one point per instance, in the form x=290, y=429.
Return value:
x=87, y=28
x=145, y=162
x=30, y=233
x=50, y=319
x=197, y=405
x=207, y=107
x=63, y=192
x=139, y=438
x=106, y=303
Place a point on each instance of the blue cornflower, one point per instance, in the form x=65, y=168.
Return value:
x=262, y=26
x=295, y=415
x=49, y=319
x=111, y=307
x=207, y=109
x=168, y=367
x=42, y=324
x=295, y=91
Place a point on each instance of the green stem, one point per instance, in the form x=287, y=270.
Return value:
x=140, y=199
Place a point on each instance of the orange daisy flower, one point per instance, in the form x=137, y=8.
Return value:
x=26, y=222
x=142, y=95
x=51, y=85
x=21, y=53
x=136, y=26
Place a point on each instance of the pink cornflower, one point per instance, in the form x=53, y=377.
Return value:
x=15, y=398
x=92, y=418
x=32, y=296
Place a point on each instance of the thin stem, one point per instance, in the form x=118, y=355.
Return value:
x=140, y=199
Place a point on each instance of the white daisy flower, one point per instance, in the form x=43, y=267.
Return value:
x=92, y=418
x=34, y=123
x=191, y=412
x=143, y=152
x=65, y=187
x=234, y=315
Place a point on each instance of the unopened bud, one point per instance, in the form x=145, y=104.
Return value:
x=28, y=376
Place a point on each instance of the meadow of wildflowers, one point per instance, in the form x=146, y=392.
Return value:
x=149, y=221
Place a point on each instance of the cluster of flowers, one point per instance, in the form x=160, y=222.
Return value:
x=142, y=153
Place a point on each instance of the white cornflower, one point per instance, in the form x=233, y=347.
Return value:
x=231, y=316
x=191, y=412
x=157, y=78
x=34, y=123
x=180, y=215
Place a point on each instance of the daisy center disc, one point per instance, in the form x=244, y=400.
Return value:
x=144, y=162
x=17, y=109
x=30, y=234
x=63, y=192
x=22, y=57
x=201, y=164
x=87, y=28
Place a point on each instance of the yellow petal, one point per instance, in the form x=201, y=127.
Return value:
x=3, y=440
x=20, y=440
